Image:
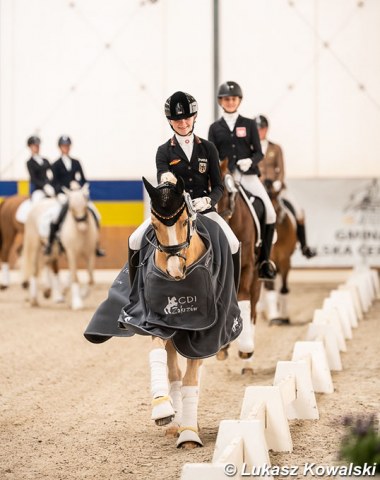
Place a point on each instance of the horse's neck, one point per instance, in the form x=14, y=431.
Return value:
x=196, y=250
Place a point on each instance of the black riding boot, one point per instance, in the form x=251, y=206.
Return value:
x=236, y=260
x=54, y=227
x=267, y=269
x=133, y=261
x=99, y=252
x=301, y=235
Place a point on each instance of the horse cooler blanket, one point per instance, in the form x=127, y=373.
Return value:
x=200, y=314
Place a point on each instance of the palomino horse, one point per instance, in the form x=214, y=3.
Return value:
x=78, y=237
x=276, y=309
x=11, y=231
x=236, y=213
x=183, y=266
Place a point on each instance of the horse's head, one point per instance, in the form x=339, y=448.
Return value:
x=226, y=205
x=172, y=225
x=78, y=204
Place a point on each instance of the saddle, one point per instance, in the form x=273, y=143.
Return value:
x=257, y=209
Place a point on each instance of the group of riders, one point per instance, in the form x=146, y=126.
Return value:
x=241, y=140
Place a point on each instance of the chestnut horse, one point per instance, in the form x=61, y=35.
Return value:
x=11, y=233
x=276, y=309
x=233, y=208
x=182, y=261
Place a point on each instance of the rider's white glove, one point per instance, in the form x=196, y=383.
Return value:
x=201, y=204
x=62, y=198
x=49, y=190
x=277, y=185
x=74, y=185
x=244, y=164
x=168, y=177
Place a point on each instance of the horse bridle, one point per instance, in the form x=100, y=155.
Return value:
x=81, y=219
x=175, y=250
x=229, y=183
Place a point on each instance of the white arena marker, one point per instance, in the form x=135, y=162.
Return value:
x=255, y=449
x=355, y=294
x=360, y=282
x=320, y=372
x=331, y=317
x=376, y=283
x=346, y=299
x=304, y=406
x=343, y=318
x=277, y=431
x=324, y=332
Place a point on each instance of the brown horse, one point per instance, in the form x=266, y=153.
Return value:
x=233, y=208
x=11, y=233
x=276, y=302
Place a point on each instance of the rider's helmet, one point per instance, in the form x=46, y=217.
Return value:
x=180, y=105
x=261, y=121
x=33, y=140
x=230, y=89
x=64, y=140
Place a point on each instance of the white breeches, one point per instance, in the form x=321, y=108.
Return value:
x=253, y=184
x=286, y=195
x=231, y=237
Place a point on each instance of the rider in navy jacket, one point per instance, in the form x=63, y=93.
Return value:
x=39, y=169
x=237, y=139
x=66, y=171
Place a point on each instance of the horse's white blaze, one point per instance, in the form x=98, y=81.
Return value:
x=174, y=264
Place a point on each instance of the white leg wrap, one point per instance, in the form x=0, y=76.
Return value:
x=159, y=385
x=272, y=310
x=283, y=304
x=176, y=396
x=76, y=300
x=245, y=339
x=5, y=274
x=189, y=423
x=33, y=288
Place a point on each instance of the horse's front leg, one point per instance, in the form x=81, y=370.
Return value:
x=175, y=380
x=162, y=407
x=76, y=299
x=188, y=430
x=246, y=338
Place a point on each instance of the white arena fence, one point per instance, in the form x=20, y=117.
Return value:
x=266, y=410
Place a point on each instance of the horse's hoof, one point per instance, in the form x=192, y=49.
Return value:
x=34, y=303
x=279, y=321
x=172, y=431
x=162, y=411
x=3, y=287
x=25, y=285
x=247, y=371
x=245, y=355
x=189, y=439
x=47, y=293
x=222, y=355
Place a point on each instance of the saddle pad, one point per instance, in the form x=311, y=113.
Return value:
x=256, y=207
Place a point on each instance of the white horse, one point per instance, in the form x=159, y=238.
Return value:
x=78, y=236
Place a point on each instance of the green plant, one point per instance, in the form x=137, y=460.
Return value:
x=361, y=442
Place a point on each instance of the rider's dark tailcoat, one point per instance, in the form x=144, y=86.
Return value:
x=62, y=177
x=38, y=173
x=242, y=142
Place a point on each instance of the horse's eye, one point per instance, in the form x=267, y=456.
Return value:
x=184, y=223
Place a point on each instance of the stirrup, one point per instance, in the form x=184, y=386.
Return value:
x=309, y=252
x=267, y=270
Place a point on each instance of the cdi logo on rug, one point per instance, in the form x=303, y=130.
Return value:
x=181, y=305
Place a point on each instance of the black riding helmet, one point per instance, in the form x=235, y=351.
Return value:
x=33, y=140
x=230, y=89
x=261, y=121
x=64, y=140
x=180, y=105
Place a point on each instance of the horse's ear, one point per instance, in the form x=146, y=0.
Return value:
x=86, y=189
x=224, y=166
x=152, y=191
x=180, y=185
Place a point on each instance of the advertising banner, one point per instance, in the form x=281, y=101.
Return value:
x=342, y=221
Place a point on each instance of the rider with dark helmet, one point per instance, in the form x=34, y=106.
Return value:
x=68, y=172
x=237, y=139
x=39, y=170
x=272, y=168
x=195, y=160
